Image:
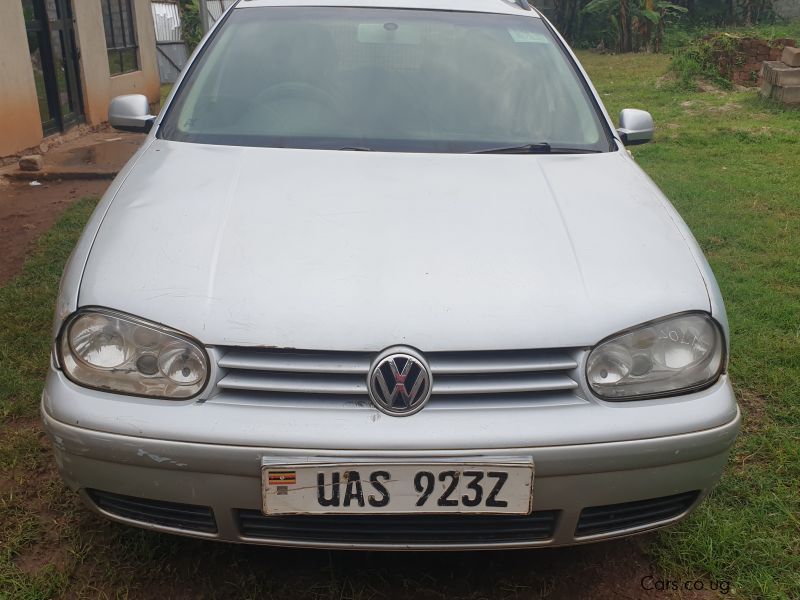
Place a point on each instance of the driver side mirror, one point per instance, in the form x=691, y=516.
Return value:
x=635, y=127
x=131, y=112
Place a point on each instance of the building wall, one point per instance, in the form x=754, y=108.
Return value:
x=98, y=85
x=20, y=123
x=788, y=9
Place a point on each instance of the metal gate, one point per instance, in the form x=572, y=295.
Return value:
x=215, y=8
x=54, y=58
x=171, y=50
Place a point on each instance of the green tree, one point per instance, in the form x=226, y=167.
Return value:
x=634, y=24
x=191, y=25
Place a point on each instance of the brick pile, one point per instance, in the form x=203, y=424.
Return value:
x=781, y=78
x=739, y=60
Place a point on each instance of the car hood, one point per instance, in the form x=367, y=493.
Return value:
x=319, y=249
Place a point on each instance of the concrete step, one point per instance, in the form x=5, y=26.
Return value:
x=788, y=95
x=777, y=73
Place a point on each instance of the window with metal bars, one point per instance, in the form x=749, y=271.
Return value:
x=121, y=41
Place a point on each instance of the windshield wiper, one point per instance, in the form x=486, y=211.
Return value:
x=539, y=148
x=356, y=148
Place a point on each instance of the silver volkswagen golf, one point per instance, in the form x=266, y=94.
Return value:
x=386, y=277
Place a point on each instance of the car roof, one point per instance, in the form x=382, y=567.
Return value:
x=486, y=6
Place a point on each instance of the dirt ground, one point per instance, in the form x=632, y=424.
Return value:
x=26, y=212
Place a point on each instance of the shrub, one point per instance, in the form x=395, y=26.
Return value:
x=190, y=23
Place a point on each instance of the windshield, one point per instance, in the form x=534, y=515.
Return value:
x=384, y=80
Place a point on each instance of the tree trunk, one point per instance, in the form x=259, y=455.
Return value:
x=625, y=44
x=567, y=17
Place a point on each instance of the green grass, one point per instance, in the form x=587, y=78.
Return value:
x=28, y=500
x=729, y=163
x=696, y=57
x=678, y=37
x=166, y=88
x=26, y=306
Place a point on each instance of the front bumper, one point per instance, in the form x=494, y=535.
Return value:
x=225, y=477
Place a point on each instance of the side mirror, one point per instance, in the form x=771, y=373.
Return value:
x=635, y=127
x=131, y=113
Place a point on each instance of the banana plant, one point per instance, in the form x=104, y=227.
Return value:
x=635, y=24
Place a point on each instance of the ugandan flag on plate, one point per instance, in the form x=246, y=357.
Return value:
x=282, y=478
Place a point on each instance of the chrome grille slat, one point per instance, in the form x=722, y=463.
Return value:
x=299, y=383
x=477, y=384
x=280, y=377
x=489, y=362
x=260, y=360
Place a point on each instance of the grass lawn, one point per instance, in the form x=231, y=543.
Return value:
x=166, y=88
x=728, y=161
x=677, y=37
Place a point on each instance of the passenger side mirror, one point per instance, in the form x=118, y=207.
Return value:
x=635, y=127
x=131, y=113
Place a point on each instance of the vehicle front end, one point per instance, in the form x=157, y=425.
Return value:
x=601, y=469
x=409, y=337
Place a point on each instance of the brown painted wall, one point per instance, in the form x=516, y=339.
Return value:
x=20, y=124
x=98, y=86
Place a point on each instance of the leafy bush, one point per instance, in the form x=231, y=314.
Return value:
x=190, y=23
x=630, y=25
x=700, y=60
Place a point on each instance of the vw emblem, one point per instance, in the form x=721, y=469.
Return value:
x=399, y=382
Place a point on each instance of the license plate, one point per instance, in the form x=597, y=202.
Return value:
x=398, y=487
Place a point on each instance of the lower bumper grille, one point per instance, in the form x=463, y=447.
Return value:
x=617, y=517
x=169, y=514
x=399, y=529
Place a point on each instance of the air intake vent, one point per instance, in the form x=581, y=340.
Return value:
x=156, y=512
x=617, y=517
x=399, y=529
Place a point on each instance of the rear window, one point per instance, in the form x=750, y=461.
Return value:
x=384, y=80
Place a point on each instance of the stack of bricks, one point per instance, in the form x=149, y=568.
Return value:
x=782, y=77
x=741, y=64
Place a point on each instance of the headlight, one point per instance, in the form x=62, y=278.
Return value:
x=112, y=351
x=667, y=357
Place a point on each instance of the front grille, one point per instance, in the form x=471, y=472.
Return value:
x=399, y=529
x=617, y=517
x=292, y=377
x=156, y=512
